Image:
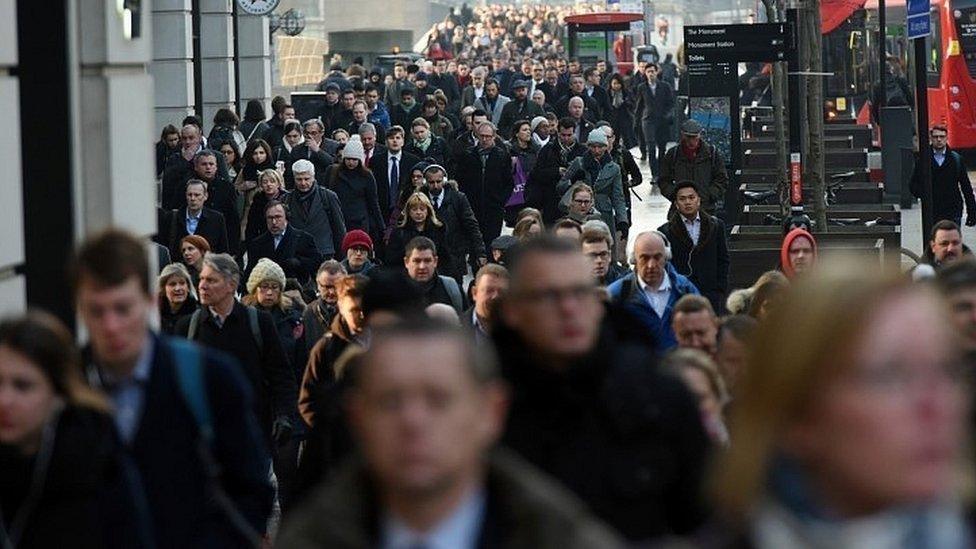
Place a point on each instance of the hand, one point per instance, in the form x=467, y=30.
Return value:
x=281, y=430
x=971, y=221
x=313, y=145
x=482, y=261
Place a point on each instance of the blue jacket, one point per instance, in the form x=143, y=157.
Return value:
x=380, y=116
x=627, y=292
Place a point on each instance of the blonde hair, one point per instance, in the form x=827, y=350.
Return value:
x=521, y=230
x=695, y=359
x=419, y=199
x=272, y=173
x=804, y=345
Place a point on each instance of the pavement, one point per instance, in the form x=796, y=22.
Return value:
x=651, y=213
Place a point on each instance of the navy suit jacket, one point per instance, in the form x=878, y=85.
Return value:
x=165, y=450
x=295, y=244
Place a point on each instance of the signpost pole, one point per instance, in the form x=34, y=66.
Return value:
x=919, y=27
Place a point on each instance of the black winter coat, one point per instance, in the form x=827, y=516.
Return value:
x=516, y=110
x=256, y=222
x=462, y=231
x=540, y=191
x=319, y=216
x=320, y=159
x=705, y=264
x=296, y=254
x=396, y=247
x=949, y=181
x=356, y=190
x=91, y=496
x=212, y=226
x=168, y=319
x=266, y=367
x=625, y=438
x=487, y=184
x=437, y=150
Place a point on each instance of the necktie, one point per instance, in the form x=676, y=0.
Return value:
x=394, y=180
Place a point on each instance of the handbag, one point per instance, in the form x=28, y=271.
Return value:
x=518, y=190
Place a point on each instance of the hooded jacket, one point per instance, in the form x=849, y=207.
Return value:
x=784, y=251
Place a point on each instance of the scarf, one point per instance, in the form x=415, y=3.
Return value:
x=289, y=147
x=422, y=145
x=539, y=141
x=618, y=98
x=690, y=152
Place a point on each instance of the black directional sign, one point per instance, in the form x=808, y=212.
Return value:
x=739, y=43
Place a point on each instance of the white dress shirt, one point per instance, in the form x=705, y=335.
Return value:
x=658, y=297
x=460, y=530
x=694, y=227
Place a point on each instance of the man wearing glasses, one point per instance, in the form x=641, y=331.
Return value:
x=949, y=180
x=590, y=408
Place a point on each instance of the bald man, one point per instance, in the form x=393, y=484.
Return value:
x=653, y=287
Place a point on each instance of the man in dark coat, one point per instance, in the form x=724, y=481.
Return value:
x=293, y=249
x=519, y=108
x=655, y=106
x=137, y=369
x=485, y=177
x=950, y=181
x=577, y=88
x=460, y=224
x=694, y=159
x=406, y=110
x=553, y=160
x=196, y=219
x=178, y=168
x=208, y=166
x=594, y=90
x=699, y=249
x=588, y=407
x=392, y=171
x=225, y=324
x=316, y=210
x=503, y=501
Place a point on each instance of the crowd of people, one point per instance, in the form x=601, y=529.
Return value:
x=353, y=351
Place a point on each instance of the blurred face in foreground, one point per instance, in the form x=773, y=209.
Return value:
x=422, y=420
x=554, y=305
x=886, y=431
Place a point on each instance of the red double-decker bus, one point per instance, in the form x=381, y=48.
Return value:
x=851, y=53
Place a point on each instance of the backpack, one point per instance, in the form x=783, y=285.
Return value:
x=189, y=365
x=252, y=321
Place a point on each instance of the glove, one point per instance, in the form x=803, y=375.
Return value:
x=970, y=220
x=281, y=430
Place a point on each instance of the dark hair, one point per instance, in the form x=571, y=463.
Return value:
x=517, y=125
x=589, y=72
x=109, y=259
x=254, y=112
x=490, y=81
x=252, y=146
x=478, y=112
x=47, y=344
x=369, y=87
x=289, y=126
x=275, y=204
x=419, y=244
x=940, y=127
x=567, y=122
x=168, y=129
x=944, y=225
x=395, y=130
x=277, y=103
x=687, y=184
x=347, y=92
x=567, y=223
x=652, y=64
x=391, y=290
x=218, y=144
x=192, y=120
x=226, y=117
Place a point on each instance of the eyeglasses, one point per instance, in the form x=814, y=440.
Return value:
x=269, y=286
x=598, y=255
x=581, y=202
x=359, y=250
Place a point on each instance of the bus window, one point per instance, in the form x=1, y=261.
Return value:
x=934, y=45
x=964, y=14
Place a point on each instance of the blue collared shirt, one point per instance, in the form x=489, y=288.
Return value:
x=939, y=156
x=460, y=530
x=277, y=237
x=192, y=222
x=129, y=395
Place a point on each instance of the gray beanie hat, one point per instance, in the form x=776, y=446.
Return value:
x=536, y=121
x=354, y=149
x=265, y=270
x=597, y=137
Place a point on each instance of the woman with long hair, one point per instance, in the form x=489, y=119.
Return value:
x=849, y=421
x=254, y=124
x=167, y=146
x=621, y=113
x=232, y=157
x=418, y=218
x=65, y=479
x=524, y=154
x=192, y=249
x=258, y=158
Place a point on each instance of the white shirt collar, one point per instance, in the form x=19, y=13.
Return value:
x=460, y=529
x=696, y=219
